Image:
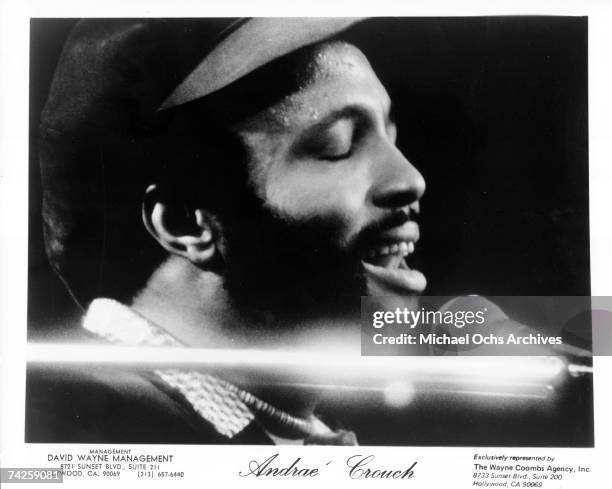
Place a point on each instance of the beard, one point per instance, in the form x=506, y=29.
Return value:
x=294, y=268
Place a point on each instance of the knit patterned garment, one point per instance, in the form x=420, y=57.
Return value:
x=227, y=407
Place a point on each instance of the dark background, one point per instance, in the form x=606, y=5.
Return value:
x=493, y=112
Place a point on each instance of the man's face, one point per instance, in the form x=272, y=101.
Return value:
x=339, y=196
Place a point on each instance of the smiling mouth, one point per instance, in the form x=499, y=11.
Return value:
x=392, y=255
x=387, y=272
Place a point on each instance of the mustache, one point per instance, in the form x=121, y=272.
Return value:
x=370, y=233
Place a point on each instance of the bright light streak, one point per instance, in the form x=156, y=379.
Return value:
x=496, y=374
x=577, y=370
x=399, y=394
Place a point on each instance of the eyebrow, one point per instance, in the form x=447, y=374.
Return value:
x=354, y=111
x=348, y=112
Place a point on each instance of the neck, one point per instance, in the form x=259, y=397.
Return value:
x=194, y=307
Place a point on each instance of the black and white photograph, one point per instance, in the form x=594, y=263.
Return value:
x=226, y=190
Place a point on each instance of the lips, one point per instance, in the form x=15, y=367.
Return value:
x=389, y=255
x=384, y=262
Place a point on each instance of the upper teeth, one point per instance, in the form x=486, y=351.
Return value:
x=403, y=248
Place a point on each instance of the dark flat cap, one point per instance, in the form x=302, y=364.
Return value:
x=112, y=79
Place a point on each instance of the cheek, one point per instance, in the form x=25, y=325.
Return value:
x=321, y=190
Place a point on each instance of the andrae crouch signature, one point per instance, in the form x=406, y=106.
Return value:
x=358, y=467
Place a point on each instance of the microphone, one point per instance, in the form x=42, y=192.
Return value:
x=499, y=324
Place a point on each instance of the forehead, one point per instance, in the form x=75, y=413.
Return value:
x=331, y=75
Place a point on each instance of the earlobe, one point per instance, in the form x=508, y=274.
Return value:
x=182, y=231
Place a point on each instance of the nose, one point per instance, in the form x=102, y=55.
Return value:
x=396, y=182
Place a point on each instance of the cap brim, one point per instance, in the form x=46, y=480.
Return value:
x=249, y=46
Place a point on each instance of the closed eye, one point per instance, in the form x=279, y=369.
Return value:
x=331, y=143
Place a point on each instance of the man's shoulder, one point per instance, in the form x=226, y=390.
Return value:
x=66, y=404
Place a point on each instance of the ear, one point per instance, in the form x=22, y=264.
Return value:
x=181, y=230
